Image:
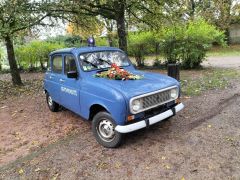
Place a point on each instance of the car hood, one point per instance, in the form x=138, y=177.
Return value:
x=130, y=88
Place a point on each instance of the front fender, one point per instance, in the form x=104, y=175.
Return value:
x=109, y=98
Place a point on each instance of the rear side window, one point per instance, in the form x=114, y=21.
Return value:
x=69, y=64
x=57, y=64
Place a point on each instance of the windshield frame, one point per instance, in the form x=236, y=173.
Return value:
x=102, y=69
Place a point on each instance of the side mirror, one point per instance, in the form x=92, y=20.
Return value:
x=72, y=74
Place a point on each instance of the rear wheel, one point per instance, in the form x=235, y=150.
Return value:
x=53, y=106
x=103, y=127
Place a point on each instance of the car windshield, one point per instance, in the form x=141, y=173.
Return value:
x=102, y=59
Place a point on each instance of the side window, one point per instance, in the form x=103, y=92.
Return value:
x=69, y=64
x=57, y=64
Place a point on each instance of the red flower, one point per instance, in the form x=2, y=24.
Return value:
x=115, y=72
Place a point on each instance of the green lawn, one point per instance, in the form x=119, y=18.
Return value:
x=232, y=50
x=195, y=82
x=207, y=79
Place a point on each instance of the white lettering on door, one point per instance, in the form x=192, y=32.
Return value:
x=69, y=91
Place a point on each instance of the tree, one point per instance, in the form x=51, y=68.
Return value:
x=1, y=58
x=116, y=10
x=109, y=9
x=109, y=25
x=88, y=27
x=16, y=16
x=218, y=12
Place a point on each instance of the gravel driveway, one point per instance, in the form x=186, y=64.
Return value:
x=223, y=62
x=201, y=142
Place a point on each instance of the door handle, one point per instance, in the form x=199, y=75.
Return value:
x=61, y=80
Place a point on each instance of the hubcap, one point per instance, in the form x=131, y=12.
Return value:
x=50, y=101
x=106, y=130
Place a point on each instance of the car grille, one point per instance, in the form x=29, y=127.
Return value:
x=155, y=99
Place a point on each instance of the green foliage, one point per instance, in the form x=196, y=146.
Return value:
x=101, y=42
x=141, y=44
x=35, y=53
x=188, y=43
x=68, y=41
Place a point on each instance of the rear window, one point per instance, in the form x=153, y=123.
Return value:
x=57, y=64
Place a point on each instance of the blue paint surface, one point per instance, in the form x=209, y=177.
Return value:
x=79, y=95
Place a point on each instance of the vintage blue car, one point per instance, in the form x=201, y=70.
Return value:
x=115, y=107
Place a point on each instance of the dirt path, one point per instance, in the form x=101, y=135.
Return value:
x=26, y=124
x=223, y=62
x=201, y=142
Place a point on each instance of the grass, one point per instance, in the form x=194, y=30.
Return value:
x=232, y=50
x=207, y=79
x=195, y=82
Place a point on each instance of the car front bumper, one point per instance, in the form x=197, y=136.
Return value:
x=149, y=121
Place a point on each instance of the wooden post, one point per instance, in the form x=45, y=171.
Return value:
x=173, y=71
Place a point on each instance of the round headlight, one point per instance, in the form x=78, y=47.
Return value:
x=136, y=105
x=174, y=93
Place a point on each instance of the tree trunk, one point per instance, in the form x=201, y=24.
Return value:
x=110, y=40
x=42, y=66
x=16, y=79
x=121, y=27
x=227, y=34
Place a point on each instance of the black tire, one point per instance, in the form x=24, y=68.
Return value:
x=103, y=124
x=53, y=106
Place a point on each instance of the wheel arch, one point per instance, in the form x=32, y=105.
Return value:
x=94, y=109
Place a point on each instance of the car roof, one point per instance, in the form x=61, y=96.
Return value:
x=81, y=50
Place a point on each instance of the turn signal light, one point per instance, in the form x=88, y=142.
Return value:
x=178, y=100
x=130, y=118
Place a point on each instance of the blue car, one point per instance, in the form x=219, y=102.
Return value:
x=115, y=106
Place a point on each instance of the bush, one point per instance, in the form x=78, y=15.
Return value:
x=68, y=40
x=101, y=42
x=188, y=43
x=141, y=44
x=35, y=53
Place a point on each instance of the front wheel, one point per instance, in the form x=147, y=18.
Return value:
x=53, y=106
x=103, y=127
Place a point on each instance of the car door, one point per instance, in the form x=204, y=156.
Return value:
x=53, y=77
x=70, y=86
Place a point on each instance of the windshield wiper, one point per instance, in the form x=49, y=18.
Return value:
x=94, y=65
x=103, y=60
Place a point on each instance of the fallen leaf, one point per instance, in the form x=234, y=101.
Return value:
x=182, y=178
x=167, y=167
x=38, y=169
x=14, y=114
x=20, y=171
x=55, y=177
x=186, y=97
x=35, y=143
x=117, y=165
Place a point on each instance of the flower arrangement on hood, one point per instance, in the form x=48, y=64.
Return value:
x=116, y=73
